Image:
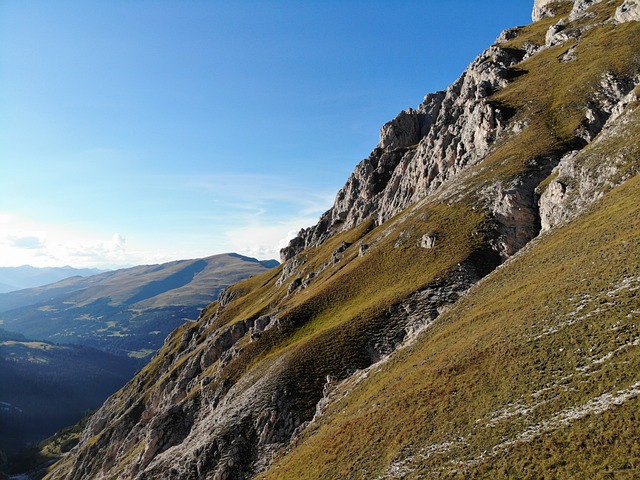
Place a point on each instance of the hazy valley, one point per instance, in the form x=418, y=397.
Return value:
x=127, y=312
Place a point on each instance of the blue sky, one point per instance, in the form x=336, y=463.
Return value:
x=144, y=131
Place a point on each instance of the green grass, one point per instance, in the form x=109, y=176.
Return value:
x=528, y=339
x=325, y=328
x=552, y=96
x=493, y=350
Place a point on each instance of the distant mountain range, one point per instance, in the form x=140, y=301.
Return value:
x=26, y=276
x=126, y=312
x=51, y=374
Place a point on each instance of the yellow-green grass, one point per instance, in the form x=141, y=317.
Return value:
x=548, y=332
x=325, y=327
x=60, y=443
x=552, y=95
x=596, y=446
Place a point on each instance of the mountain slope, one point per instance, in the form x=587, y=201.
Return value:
x=513, y=379
x=128, y=311
x=390, y=344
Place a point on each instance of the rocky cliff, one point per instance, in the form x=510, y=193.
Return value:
x=450, y=131
x=403, y=337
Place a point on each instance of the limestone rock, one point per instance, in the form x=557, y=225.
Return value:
x=580, y=6
x=629, y=11
x=541, y=9
x=428, y=240
x=420, y=149
x=402, y=131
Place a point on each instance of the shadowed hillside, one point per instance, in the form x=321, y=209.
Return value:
x=44, y=387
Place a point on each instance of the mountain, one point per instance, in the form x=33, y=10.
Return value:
x=128, y=311
x=468, y=308
x=26, y=276
x=44, y=387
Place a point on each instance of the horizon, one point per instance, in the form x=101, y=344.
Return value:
x=152, y=132
x=108, y=268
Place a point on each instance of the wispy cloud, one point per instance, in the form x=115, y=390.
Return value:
x=28, y=242
x=258, y=213
x=196, y=216
x=264, y=240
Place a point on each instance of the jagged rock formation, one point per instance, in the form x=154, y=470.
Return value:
x=541, y=9
x=395, y=341
x=420, y=149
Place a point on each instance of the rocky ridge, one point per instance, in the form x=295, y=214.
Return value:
x=450, y=131
x=440, y=202
x=420, y=149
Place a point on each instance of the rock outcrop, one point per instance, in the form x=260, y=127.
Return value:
x=629, y=11
x=420, y=149
x=583, y=177
x=541, y=9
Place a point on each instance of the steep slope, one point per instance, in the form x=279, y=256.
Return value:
x=388, y=345
x=128, y=311
x=533, y=374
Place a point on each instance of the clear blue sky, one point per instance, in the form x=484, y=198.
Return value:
x=144, y=131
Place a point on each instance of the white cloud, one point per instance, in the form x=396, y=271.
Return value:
x=254, y=215
x=26, y=242
x=264, y=241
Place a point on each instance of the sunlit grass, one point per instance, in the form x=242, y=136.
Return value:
x=495, y=349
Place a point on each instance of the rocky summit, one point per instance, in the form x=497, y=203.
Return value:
x=467, y=308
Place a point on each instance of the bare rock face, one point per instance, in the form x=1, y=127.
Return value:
x=629, y=11
x=403, y=131
x=580, y=6
x=420, y=149
x=541, y=9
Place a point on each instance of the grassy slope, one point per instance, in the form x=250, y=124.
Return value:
x=334, y=309
x=550, y=331
x=486, y=359
x=324, y=328
x=474, y=364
